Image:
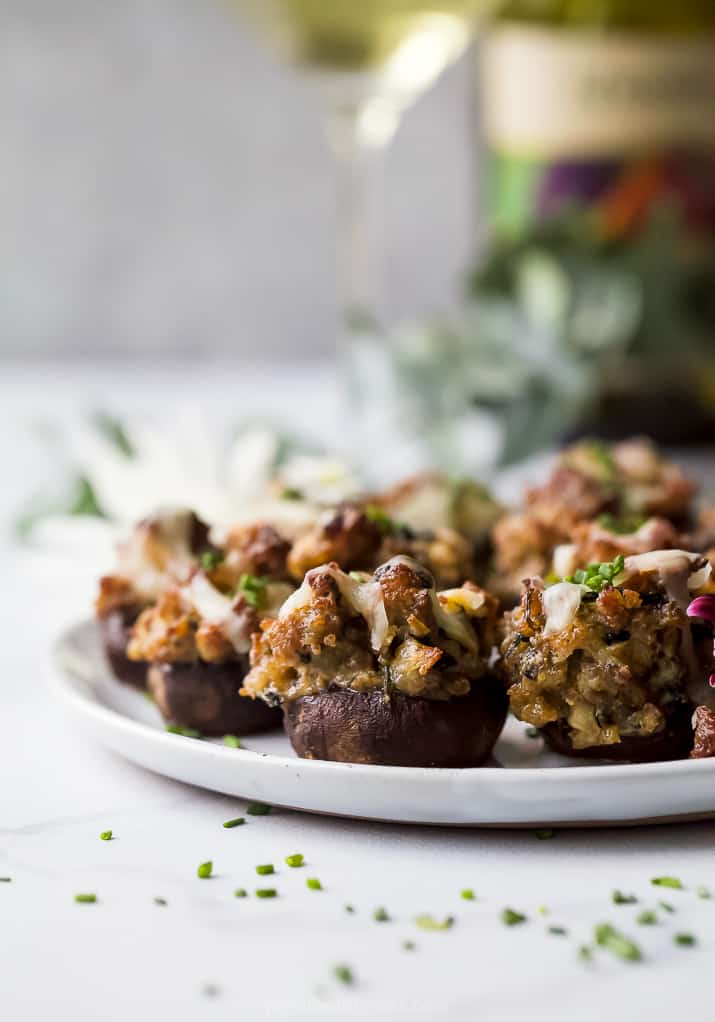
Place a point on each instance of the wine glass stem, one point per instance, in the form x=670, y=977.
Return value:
x=360, y=219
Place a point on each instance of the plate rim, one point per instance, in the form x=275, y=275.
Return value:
x=61, y=684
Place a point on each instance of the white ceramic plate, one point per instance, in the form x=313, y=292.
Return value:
x=522, y=786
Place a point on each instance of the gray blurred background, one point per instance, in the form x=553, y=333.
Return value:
x=165, y=186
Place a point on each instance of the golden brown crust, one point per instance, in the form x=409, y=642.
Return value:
x=324, y=642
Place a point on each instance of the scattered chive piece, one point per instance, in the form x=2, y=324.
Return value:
x=558, y=931
x=205, y=870
x=666, y=906
x=427, y=922
x=532, y=732
x=266, y=892
x=380, y=915
x=380, y=518
x=185, y=732
x=703, y=892
x=684, y=939
x=350, y=909
x=584, y=953
x=229, y=824
x=266, y=870
x=609, y=937
x=647, y=918
x=408, y=945
x=160, y=901
x=673, y=882
x=313, y=884
x=597, y=576
x=294, y=860
x=542, y=910
x=343, y=974
x=85, y=899
x=545, y=834
x=258, y=809
x=106, y=835
x=5, y=880
x=467, y=894
x=291, y=493
x=619, y=898
x=240, y=892
x=211, y=990
x=233, y=741
x=512, y=918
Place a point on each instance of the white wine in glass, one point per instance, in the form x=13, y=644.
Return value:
x=370, y=59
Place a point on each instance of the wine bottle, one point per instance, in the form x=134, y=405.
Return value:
x=599, y=124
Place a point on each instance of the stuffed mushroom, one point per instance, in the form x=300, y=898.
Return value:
x=196, y=640
x=607, y=663
x=382, y=668
x=359, y=536
x=162, y=551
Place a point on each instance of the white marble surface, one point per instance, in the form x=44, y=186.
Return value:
x=127, y=957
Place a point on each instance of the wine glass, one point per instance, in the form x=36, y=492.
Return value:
x=369, y=60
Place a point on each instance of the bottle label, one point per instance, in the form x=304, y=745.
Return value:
x=551, y=93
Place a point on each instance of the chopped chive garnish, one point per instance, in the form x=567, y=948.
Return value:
x=210, y=559
x=703, y=892
x=647, y=918
x=379, y=517
x=294, y=860
x=666, y=906
x=380, y=915
x=229, y=824
x=684, y=939
x=609, y=937
x=467, y=894
x=265, y=870
x=558, y=931
x=343, y=974
x=85, y=899
x=619, y=898
x=266, y=892
x=106, y=835
x=427, y=922
x=258, y=809
x=240, y=892
x=5, y=880
x=205, y=870
x=673, y=882
x=512, y=918
x=545, y=834
x=350, y=909
x=254, y=591
x=313, y=884
x=408, y=945
x=160, y=901
x=596, y=576
x=233, y=741
x=185, y=732
x=585, y=953
x=542, y=910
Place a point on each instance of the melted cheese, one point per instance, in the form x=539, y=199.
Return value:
x=158, y=552
x=680, y=571
x=564, y=562
x=215, y=609
x=561, y=604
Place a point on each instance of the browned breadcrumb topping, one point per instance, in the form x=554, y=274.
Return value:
x=170, y=632
x=618, y=669
x=350, y=538
x=325, y=642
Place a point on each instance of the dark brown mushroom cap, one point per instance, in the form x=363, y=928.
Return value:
x=116, y=629
x=346, y=726
x=206, y=697
x=675, y=741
